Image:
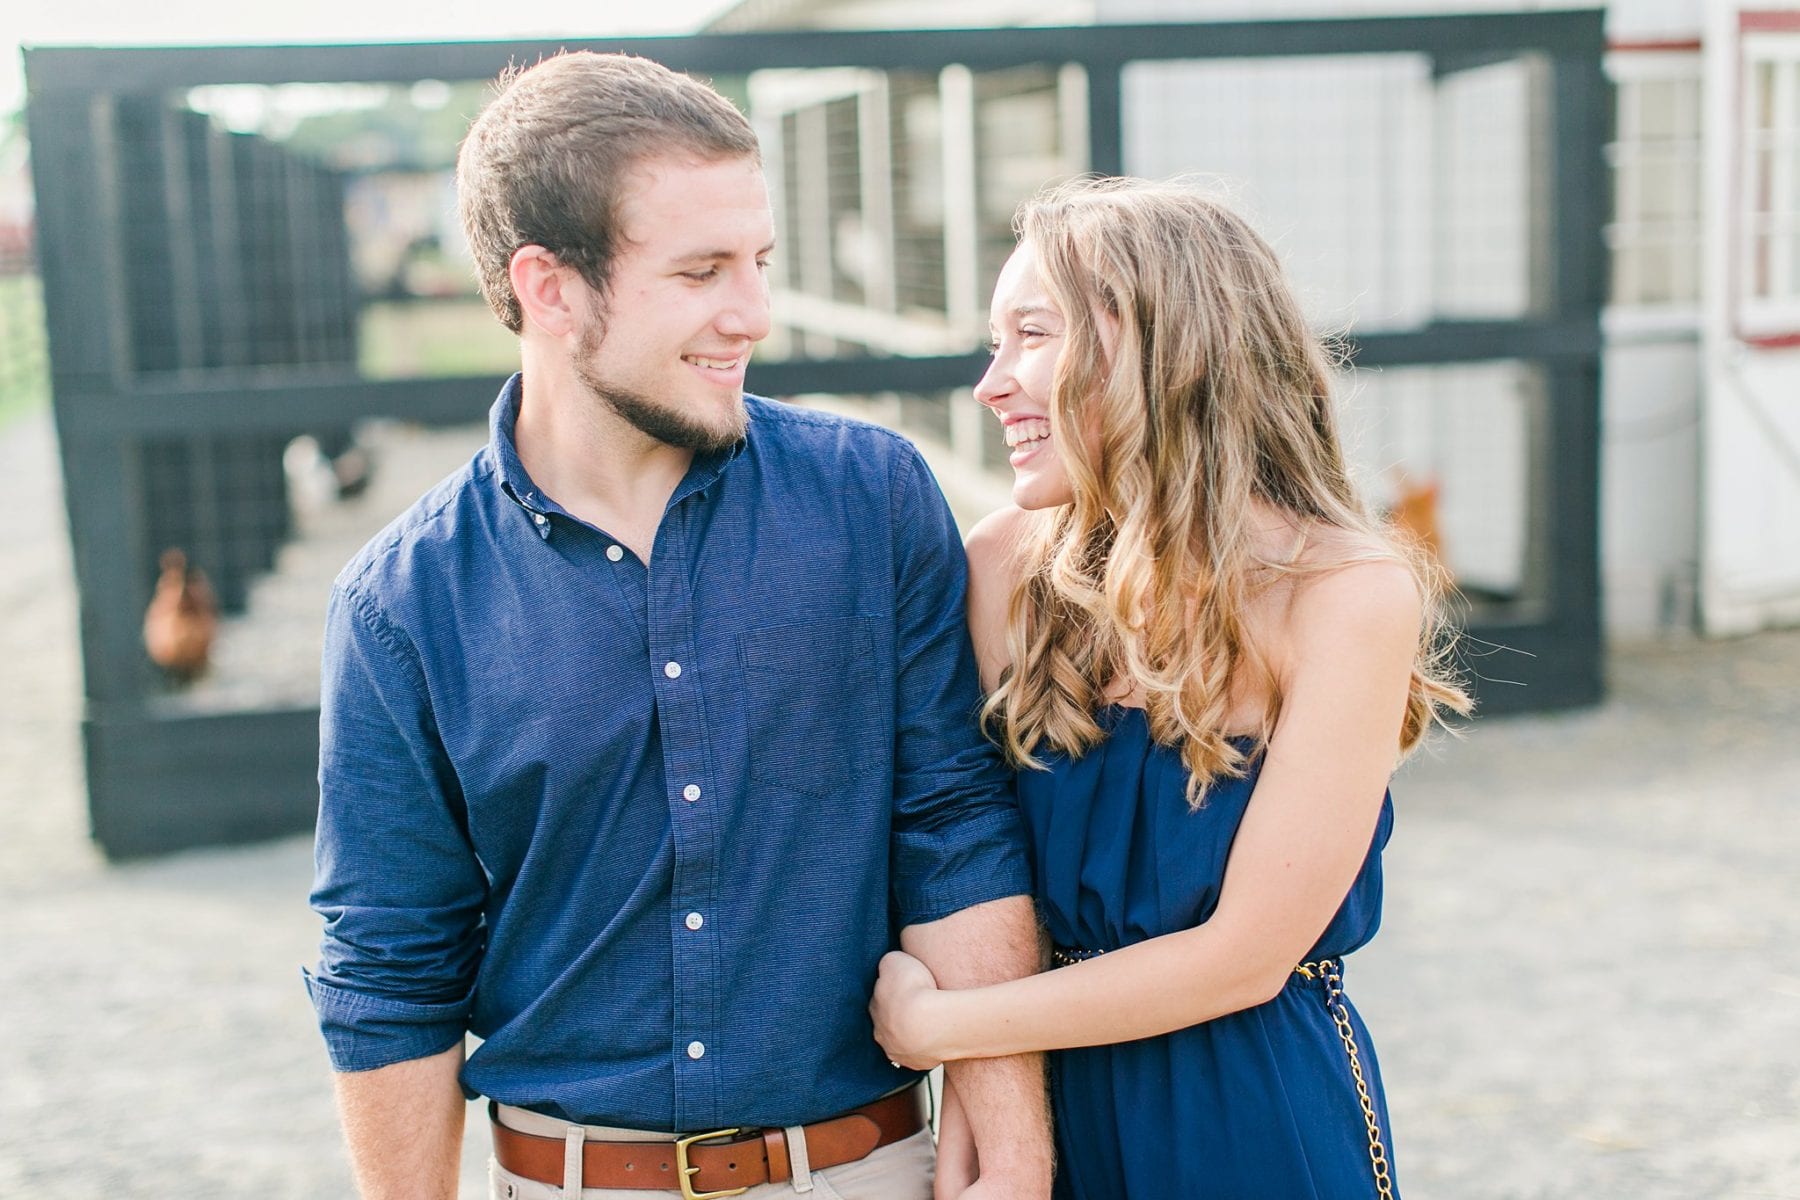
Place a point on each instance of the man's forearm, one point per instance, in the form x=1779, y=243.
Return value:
x=404, y=1125
x=1003, y=1097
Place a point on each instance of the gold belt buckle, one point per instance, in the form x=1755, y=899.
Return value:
x=687, y=1172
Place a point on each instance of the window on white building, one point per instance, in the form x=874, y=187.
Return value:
x=1769, y=207
x=1655, y=233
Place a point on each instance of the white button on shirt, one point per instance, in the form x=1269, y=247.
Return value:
x=696, y=1049
x=615, y=553
x=695, y=920
x=691, y=792
x=672, y=670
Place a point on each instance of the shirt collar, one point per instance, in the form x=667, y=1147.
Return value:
x=516, y=482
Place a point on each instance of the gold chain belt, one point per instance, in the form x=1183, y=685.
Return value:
x=1331, y=972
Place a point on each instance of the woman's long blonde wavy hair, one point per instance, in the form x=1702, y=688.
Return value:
x=1216, y=392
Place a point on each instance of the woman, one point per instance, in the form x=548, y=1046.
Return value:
x=1204, y=659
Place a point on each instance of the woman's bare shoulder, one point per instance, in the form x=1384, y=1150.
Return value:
x=996, y=560
x=995, y=545
x=1342, y=587
x=1367, y=591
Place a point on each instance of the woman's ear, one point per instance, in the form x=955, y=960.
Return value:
x=549, y=293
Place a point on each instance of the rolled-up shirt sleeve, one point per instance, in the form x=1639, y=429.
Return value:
x=958, y=839
x=396, y=878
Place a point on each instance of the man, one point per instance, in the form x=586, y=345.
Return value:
x=642, y=734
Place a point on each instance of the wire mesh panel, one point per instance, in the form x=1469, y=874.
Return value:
x=266, y=339
x=914, y=118
x=1454, y=457
x=269, y=659
x=1401, y=190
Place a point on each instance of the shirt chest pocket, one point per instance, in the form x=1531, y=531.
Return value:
x=813, y=704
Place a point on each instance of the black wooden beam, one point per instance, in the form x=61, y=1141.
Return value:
x=112, y=68
x=298, y=399
x=158, y=784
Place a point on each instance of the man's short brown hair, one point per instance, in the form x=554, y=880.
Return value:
x=546, y=162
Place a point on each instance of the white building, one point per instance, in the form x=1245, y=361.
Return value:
x=1399, y=193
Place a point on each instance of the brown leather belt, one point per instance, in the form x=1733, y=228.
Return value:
x=721, y=1163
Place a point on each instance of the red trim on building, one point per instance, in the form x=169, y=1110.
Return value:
x=1769, y=21
x=1655, y=45
x=1772, y=341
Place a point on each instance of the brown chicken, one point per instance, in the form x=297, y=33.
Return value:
x=182, y=620
x=1414, y=515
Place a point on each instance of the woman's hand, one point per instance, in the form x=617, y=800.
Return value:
x=905, y=993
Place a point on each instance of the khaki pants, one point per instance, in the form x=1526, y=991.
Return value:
x=901, y=1171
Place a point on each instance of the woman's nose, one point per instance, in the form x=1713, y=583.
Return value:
x=992, y=385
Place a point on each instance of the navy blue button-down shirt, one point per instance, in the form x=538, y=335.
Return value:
x=646, y=829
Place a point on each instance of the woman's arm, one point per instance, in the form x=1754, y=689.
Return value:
x=1351, y=640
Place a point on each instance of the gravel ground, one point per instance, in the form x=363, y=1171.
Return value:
x=1584, y=987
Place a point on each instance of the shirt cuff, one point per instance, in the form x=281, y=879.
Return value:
x=991, y=877
x=365, y=1032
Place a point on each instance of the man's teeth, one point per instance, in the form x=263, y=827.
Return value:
x=717, y=364
x=1021, y=432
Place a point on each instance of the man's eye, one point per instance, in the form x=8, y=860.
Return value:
x=700, y=276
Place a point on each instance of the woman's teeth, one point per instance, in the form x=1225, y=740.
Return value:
x=1021, y=433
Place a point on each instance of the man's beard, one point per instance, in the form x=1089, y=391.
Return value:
x=660, y=421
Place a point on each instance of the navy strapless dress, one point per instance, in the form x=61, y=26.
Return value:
x=1256, y=1105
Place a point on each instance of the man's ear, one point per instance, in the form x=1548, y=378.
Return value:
x=550, y=294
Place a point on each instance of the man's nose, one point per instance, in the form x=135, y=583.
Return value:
x=746, y=315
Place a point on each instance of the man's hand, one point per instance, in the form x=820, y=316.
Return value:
x=990, y=1189
x=957, y=1165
